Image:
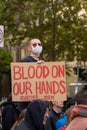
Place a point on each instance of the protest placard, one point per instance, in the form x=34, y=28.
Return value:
x=46, y=81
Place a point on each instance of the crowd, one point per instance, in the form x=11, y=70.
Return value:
x=44, y=115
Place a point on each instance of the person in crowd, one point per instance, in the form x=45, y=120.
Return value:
x=36, y=116
x=20, y=118
x=9, y=113
x=0, y=118
x=57, y=118
x=35, y=48
x=79, y=112
x=69, y=105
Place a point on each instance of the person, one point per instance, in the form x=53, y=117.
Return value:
x=10, y=113
x=35, y=48
x=57, y=118
x=20, y=118
x=69, y=105
x=36, y=116
x=79, y=112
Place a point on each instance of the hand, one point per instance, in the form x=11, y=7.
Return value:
x=40, y=61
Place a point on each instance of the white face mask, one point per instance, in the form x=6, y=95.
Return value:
x=37, y=49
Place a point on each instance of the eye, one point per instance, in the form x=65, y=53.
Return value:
x=39, y=44
x=34, y=45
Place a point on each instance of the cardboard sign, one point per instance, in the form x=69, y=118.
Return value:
x=46, y=81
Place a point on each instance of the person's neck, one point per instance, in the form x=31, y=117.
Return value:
x=35, y=56
x=56, y=109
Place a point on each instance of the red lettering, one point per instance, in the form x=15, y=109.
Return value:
x=31, y=72
x=57, y=71
x=46, y=87
x=28, y=97
x=43, y=88
x=56, y=87
x=24, y=98
x=39, y=71
x=23, y=73
x=48, y=97
x=20, y=72
x=54, y=71
x=38, y=88
x=17, y=72
x=49, y=87
x=45, y=71
x=62, y=87
x=28, y=88
x=22, y=88
x=16, y=89
x=61, y=70
x=42, y=71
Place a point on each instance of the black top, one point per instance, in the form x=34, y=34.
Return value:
x=53, y=117
x=29, y=59
x=34, y=116
x=9, y=115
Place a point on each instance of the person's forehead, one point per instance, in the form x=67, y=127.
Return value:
x=35, y=41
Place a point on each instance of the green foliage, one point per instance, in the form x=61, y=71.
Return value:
x=59, y=26
x=5, y=60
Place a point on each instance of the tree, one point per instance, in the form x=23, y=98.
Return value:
x=59, y=26
x=5, y=60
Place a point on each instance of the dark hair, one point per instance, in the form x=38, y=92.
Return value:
x=81, y=96
x=70, y=101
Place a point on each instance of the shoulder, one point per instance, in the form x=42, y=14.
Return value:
x=28, y=59
x=8, y=109
x=76, y=125
x=23, y=126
